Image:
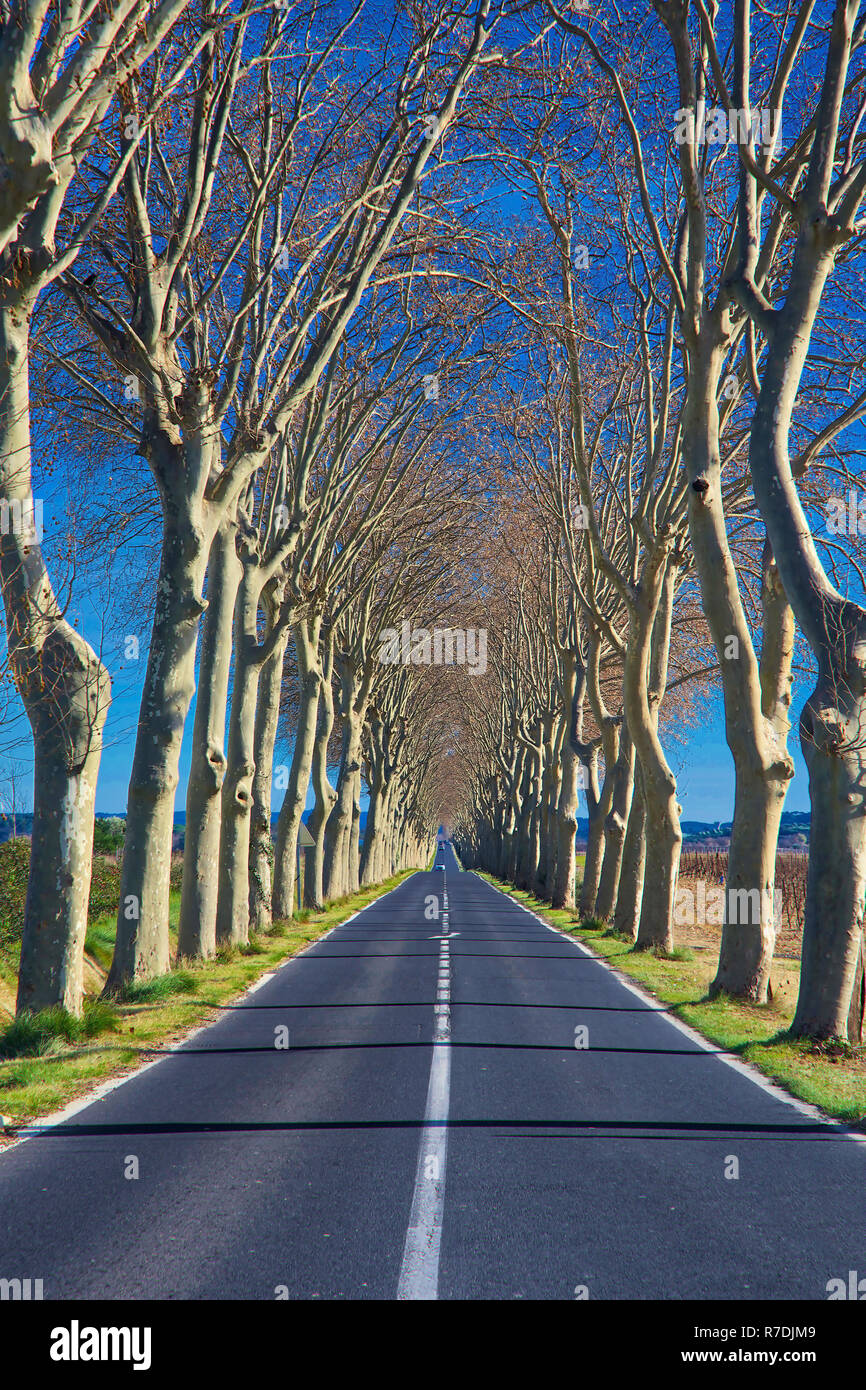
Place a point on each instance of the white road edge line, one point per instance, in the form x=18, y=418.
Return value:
x=744, y=1068
x=419, y=1271
x=75, y=1107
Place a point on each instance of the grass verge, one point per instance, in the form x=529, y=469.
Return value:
x=830, y=1076
x=50, y=1058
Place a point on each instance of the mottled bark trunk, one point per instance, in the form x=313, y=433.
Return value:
x=615, y=823
x=200, y=889
x=291, y=812
x=376, y=785
x=523, y=832
x=831, y=736
x=533, y=860
x=763, y=777
x=66, y=692
x=501, y=865
x=517, y=797
x=549, y=797
x=756, y=698
x=380, y=857
x=594, y=836
x=565, y=882
x=748, y=934
x=833, y=722
x=645, y=678
x=609, y=726
x=325, y=795
x=261, y=838
x=355, y=839
x=142, y=942
x=233, y=910
x=338, y=832
x=626, y=917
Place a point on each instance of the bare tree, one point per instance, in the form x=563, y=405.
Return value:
x=61, y=69
x=224, y=345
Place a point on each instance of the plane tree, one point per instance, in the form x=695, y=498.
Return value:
x=67, y=76
x=247, y=234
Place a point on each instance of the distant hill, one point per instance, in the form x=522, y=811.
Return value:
x=697, y=834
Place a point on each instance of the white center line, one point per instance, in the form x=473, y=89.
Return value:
x=419, y=1273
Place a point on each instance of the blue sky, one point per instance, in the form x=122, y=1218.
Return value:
x=705, y=771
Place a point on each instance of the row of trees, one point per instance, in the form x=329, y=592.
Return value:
x=197, y=199
x=712, y=369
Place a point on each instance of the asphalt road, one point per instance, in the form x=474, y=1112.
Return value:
x=433, y=1130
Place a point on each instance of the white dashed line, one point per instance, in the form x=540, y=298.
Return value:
x=419, y=1272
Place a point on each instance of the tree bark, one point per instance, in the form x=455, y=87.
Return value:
x=200, y=889
x=291, y=813
x=626, y=917
x=233, y=910
x=314, y=895
x=142, y=943
x=565, y=882
x=261, y=838
x=594, y=834
x=834, y=717
x=65, y=689
x=644, y=681
x=764, y=770
x=615, y=823
x=338, y=832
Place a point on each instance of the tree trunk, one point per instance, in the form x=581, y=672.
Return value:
x=564, y=886
x=523, y=834
x=834, y=716
x=65, y=689
x=355, y=839
x=314, y=895
x=645, y=678
x=757, y=698
x=337, y=874
x=233, y=910
x=836, y=886
x=594, y=836
x=291, y=812
x=261, y=838
x=626, y=917
x=517, y=797
x=199, y=893
x=501, y=866
x=615, y=823
x=550, y=784
x=142, y=944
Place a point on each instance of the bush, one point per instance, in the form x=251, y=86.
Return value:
x=104, y=887
x=175, y=878
x=108, y=833
x=14, y=867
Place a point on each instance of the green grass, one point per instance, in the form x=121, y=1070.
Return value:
x=832, y=1077
x=49, y=1059
x=161, y=987
x=38, y=1034
x=99, y=941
